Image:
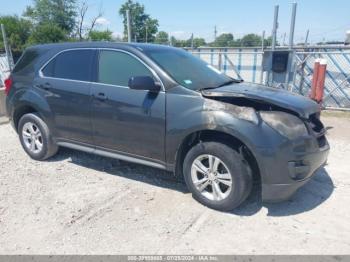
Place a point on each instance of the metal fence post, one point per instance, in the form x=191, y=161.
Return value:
x=291, y=39
x=306, y=37
x=274, y=28
x=274, y=36
x=262, y=55
x=128, y=23
x=7, y=49
x=292, y=26
x=302, y=73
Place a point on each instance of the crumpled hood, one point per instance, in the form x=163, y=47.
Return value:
x=288, y=100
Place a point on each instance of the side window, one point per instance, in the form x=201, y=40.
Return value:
x=116, y=68
x=74, y=65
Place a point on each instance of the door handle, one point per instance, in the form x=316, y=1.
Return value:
x=45, y=86
x=101, y=96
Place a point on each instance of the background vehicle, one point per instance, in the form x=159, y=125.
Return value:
x=162, y=107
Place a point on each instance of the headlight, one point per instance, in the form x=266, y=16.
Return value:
x=286, y=124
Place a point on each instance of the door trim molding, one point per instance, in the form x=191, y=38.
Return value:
x=106, y=153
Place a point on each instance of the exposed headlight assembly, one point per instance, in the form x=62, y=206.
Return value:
x=286, y=124
x=247, y=113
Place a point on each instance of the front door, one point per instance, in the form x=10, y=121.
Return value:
x=126, y=120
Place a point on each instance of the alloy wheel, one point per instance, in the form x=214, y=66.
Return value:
x=32, y=137
x=211, y=177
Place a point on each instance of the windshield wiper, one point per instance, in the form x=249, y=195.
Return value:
x=223, y=84
x=207, y=88
x=230, y=82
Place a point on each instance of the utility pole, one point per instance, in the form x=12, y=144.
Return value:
x=284, y=38
x=128, y=24
x=171, y=40
x=263, y=41
x=192, y=41
x=292, y=26
x=306, y=37
x=146, y=33
x=215, y=33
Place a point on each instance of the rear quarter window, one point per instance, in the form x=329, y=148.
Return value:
x=72, y=65
x=26, y=61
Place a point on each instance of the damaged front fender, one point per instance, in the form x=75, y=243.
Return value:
x=199, y=114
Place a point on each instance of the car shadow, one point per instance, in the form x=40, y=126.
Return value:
x=115, y=167
x=311, y=195
x=308, y=197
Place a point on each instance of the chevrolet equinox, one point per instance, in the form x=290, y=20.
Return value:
x=160, y=106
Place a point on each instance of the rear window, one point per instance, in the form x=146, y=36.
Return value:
x=73, y=65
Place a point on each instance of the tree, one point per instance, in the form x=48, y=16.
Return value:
x=59, y=12
x=95, y=35
x=162, y=38
x=172, y=40
x=47, y=33
x=251, y=40
x=81, y=27
x=197, y=42
x=179, y=43
x=223, y=40
x=141, y=23
x=17, y=31
x=268, y=41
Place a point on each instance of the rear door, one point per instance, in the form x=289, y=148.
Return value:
x=66, y=79
x=126, y=120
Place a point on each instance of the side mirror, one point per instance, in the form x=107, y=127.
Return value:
x=143, y=83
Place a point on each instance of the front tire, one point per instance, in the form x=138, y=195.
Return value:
x=217, y=176
x=35, y=137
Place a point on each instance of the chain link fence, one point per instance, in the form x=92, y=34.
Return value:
x=247, y=64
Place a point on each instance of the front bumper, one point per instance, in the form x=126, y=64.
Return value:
x=285, y=169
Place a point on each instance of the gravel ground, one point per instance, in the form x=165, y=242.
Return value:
x=78, y=203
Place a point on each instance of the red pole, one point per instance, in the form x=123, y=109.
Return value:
x=314, y=79
x=321, y=80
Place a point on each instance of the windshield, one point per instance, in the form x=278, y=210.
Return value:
x=188, y=70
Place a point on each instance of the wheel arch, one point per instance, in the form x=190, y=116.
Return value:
x=29, y=101
x=21, y=111
x=207, y=135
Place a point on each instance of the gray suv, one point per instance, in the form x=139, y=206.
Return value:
x=162, y=107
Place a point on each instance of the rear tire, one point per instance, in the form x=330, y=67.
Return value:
x=35, y=137
x=217, y=176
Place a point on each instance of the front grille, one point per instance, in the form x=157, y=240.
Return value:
x=317, y=128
